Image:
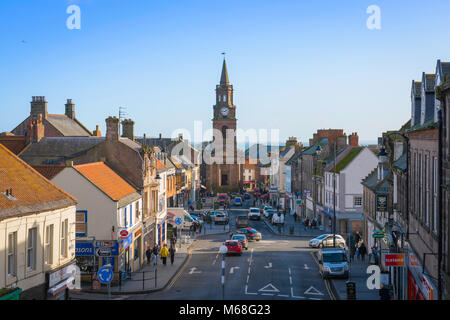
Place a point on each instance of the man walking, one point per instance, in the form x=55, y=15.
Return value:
x=172, y=254
x=148, y=253
x=155, y=252
x=363, y=251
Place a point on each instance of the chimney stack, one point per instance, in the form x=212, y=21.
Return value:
x=112, y=129
x=128, y=129
x=353, y=139
x=70, y=109
x=96, y=132
x=160, y=136
x=38, y=106
x=35, y=130
x=341, y=142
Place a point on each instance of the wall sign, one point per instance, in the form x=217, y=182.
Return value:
x=381, y=203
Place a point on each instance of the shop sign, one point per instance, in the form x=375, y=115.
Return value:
x=422, y=282
x=108, y=243
x=381, y=203
x=84, y=249
x=61, y=274
x=123, y=234
x=103, y=252
x=138, y=233
x=394, y=260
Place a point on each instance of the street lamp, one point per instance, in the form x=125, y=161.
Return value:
x=316, y=153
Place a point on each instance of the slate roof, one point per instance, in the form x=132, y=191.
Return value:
x=67, y=126
x=54, y=150
x=294, y=158
x=417, y=89
x=401, y=163
x=429, y=81
x=33, y=192
x=105, y=179
x=313, y=148
x=430, y=124
x=379, y=187
x=343, y=159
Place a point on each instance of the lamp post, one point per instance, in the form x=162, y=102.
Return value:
x=334, y=197
x=316, y=153
x=223, y=250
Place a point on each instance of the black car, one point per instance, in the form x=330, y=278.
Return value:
x=250, y=233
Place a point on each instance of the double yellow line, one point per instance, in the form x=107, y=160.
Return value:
x=326, y=281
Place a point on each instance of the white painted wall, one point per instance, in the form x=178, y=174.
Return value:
x=26, y=278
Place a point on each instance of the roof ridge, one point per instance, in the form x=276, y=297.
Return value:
x=89, y=164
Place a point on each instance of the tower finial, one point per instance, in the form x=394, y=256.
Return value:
x=224, y=77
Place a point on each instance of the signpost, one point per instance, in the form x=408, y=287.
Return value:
x=223, y=250
x=123, y=234
x=105, y=275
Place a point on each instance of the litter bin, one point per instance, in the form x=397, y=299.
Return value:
x=351, y=290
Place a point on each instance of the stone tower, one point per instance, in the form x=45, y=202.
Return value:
x=225, y=175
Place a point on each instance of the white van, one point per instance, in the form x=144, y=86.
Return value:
x=278, y=218
x=186, y=220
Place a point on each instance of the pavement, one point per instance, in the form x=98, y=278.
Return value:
x=143, y=281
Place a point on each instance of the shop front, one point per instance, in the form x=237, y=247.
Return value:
x=124, y=265
x=92, y=255
x=162, y=231
x=58, y=282
x=148, y=236
x=420, y=286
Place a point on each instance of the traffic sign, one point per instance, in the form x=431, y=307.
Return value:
x=105, y=275
x=178, y=221
x=103, y=252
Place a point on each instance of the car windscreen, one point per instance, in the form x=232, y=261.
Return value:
x=231, y=244
x=334, y=257
x=321, y=237
x=238, y=237
x=254, y=210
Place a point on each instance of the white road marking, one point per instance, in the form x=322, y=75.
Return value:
x=232, y=269
x=214, y=262
x=289, y=271
x=267, y=294
x=314, y=299
x=314, y=291
x=268, y=266
x=290, y=280
x=306, y=266
x=296, y=297
x=283, y=295
x=193, y=270
x=269, y=288
x=247, y=278
x=246, y=287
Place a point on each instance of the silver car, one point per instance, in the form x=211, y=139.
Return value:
x=326, y=240
x=333, y=263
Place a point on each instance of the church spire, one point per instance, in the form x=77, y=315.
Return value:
x=224, y=77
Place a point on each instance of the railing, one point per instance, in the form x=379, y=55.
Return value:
x=121, y=278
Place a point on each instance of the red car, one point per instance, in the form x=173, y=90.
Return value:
x=234, y=247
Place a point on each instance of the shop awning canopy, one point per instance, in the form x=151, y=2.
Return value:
x=170, y=214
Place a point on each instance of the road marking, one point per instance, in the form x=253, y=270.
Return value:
x=306, y=266
x=246, y=286
x=296, y=297
x=314, y=291
x=232, y=269
x=289, y=271
x=267, y=294
x=193, y=270
x=269, y=266
x=283, y=295
x=247, y=278
x=314, y=299
x=269, y=288
x=290, y=280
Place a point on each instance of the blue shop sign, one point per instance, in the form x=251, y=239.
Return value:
x=84, y=249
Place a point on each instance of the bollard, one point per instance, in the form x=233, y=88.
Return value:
x=143, y=280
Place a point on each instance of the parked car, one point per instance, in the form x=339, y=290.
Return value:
x=223, y=199
x=246, y=196
x=254, y=214
x=241, y=221
x=333, y=263
x=269, y=213
x=238, y=201
x=278, y=218
x=327, y=241
x=265, y=208
x=315, y=242
x=234, y=247
x=221, y=217
x=250, y=233
x=242, y=240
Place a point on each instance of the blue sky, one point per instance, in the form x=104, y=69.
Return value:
x=297, y=66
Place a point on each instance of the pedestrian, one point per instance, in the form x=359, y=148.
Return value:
x=164, y=254
x=155, y=252
x=385, y=293
x=172, y=254
x=362, y=251
x=352, y=253
x=148, y=253
x=173, y=240
x=358, y=255
x=295, y=216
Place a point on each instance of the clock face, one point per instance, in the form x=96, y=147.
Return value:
x=224, y=111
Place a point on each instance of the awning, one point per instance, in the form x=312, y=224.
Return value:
x=61, y=286
x=170, y=214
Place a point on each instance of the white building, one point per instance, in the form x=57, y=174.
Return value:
x=107, y=206
x=37, y=232
x=352, y=165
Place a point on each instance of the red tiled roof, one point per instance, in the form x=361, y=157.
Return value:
x=49, y=170
x=106, y=180
x=33, y=192
x=14, y=143
x=159, y=164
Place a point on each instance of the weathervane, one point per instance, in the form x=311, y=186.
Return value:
x=223, y=53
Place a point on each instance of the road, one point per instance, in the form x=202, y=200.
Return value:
x=273, y=268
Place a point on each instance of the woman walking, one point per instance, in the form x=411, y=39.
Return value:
x=172, y=254
x=164, y=253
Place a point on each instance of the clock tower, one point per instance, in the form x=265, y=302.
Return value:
x=225, y=176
